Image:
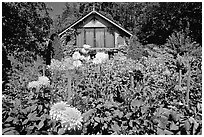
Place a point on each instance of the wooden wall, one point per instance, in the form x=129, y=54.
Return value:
x=98, y=33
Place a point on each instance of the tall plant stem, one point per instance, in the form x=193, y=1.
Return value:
x=188, y=84
x=180, y=78
x=44, y=67
x=132, y=81
x=69, y=87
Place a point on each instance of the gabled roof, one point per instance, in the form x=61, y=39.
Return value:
x=99, y=14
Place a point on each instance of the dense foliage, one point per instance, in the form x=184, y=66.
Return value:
x=152, y=22
x=25, y=27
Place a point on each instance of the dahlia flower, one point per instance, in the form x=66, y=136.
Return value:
x=69, y=116
x=100, y=57
x=55, y=64
x=85, y=46
x=65, y=64
x=82, y=58
x=33, y=84
x=77, y=63
x=84, y=51
x=44, y=81
x=87, y=58
x=76, y=55
x=97, y=61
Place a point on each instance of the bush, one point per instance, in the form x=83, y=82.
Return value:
x=135, y=49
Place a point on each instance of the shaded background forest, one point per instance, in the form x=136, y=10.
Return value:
x=152, y=23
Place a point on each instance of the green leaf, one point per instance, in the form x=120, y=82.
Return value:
x=31, y=127
x=41, y=124
x=199, y=106
x=105, y=126
x=34, y=118
x=160, y=131
x=7, y=129
x=15, y=120
x=163, y=121
x=167, y=132
x=17, y=102
x=173, y=126
x=115, y=127
x=136, y=103
x=25, y=122
x=175, y=116
x=164, y=111
x=33, y=107
x=40, y=108
x=24, y=111
x=144, y=109
x=11, y=132
x=128, y=115
x=118, y=113
x=187, y=125
x=97, y=119
x=32, y=115
x=131, y=123
x=87, y=114
x=9, y=119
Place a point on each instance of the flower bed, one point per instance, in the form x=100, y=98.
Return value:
x=116, y=96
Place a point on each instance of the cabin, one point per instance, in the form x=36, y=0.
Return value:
x=98, y=31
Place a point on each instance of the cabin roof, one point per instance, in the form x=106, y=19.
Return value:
x=99, y=14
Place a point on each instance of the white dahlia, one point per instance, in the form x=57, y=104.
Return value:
x=69, y=116
x=33, y=84
x=76, y=55
x=97, y=61
x=77, y=63
x=44, y=81
x=55, y=64
x=100, y=58
x=84, y=51
x=85, y=46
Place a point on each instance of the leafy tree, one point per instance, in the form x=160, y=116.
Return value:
x=25, y=26
x=165, y=18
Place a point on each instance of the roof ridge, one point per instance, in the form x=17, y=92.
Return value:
x=100, y=14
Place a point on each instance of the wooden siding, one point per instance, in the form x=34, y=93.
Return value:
x=94, y=24
x=80, y=37
x=99, y=37
x=89, y=37
x=109, y=37
x=89, y=22
x=94, y=32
